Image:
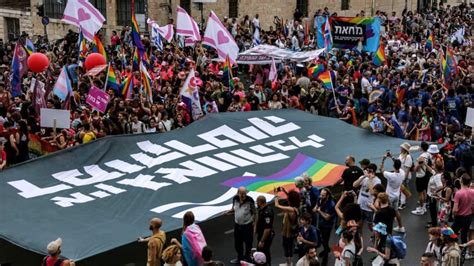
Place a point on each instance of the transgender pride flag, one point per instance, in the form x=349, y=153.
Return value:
x=63, y=87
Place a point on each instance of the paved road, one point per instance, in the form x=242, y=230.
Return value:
x=219, y=235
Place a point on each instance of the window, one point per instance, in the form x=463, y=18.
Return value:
x=233, y=8
x=302, y=6
x=345, y=5
x=54, y=8
x=186, y=4
x=101, y=6
x=13, y=28
x=124, y=11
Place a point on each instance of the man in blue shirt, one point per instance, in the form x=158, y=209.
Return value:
x=326, y=213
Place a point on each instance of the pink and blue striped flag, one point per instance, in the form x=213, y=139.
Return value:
x=62, y=88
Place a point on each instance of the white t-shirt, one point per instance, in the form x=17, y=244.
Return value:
x=138, y=127
x=434, y=184
x=347, y=252
x=394, y=181
x=406, y=161
x=166, y=125
x=421, y=172
x=365, y=197
x=366, y=86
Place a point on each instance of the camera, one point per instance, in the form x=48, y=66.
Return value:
x=279, y=189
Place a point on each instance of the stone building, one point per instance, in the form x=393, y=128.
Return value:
x=21, y=15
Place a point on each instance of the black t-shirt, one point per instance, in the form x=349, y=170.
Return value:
x=350, y=175
x=386, y=216
x=265, y=220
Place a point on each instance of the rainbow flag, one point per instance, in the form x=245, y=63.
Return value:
x=322, y=173
x=349, y=63
x=127, y=86
x=325, y=77
x=227, y=78
x=137, y=41
x=379, y=56
x=112, y=81
x=451, y=61
x=316, y=70
x=445, y=70
x=82, y=48
x=136, y=60
x=146, y=82
x=29, y=46
x=97, y=47
x=430, y=42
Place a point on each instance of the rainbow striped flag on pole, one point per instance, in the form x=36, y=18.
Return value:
x=127, y=86
x=97, y=47
x=112, y=81
x=146, y=82
x=430, y=42
x=325, y=77
x=379, y=56
x=137, y=41
x=227, y=77
x=316, y=71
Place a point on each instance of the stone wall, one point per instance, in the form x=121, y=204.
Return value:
x=158, y=10
x=23, y=16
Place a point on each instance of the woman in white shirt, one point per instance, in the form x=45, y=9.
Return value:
x=165, y=124
x=346, y=257
x=434, y=186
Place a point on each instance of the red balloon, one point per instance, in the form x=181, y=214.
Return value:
x=38, y=62
x=93, y=60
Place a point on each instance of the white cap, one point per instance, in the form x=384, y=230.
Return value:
x=433, y=149
x=54, y=246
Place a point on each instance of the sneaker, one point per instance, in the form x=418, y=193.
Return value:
x=235, y=261
x=418, y=211
x=469, y=256
x=399, y=229
x=403, y=206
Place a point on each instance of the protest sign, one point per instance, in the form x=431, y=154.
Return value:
x=98, y=99
x=55, y=118
x=470, y=117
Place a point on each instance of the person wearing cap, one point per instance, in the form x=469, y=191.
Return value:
x=394, y=182
x=54, y=251
x=383, y=245
x=3, y=154
x=366, y=183
x=407, y=167
x=451, y=252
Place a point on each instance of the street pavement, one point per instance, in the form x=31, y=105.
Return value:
x=219, y=235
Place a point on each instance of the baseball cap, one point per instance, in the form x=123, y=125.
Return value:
x=448, y=231
x=54, y=246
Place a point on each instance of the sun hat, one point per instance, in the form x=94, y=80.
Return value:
x=381, y=228
x=433, y=149
x=54, y=246
x=259, y=257
x=406, y=146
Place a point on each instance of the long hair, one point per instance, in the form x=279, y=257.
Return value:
x=188, y=219
x=294, y=199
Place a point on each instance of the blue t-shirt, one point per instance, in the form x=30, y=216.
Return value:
x=329, y=208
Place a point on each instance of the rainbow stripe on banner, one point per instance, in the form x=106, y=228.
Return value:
x=322, y=174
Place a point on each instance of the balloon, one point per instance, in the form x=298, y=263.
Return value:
x=93, y=60
x=38, y=62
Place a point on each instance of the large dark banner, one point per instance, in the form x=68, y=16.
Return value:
x=101, y=195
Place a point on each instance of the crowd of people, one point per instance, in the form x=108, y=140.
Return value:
x=412, y=96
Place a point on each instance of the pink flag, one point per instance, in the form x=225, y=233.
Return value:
x=273, y=76
x=95, y=70
x=218, y=37
x=84, y=15
x=186, y=26
x=167, y=32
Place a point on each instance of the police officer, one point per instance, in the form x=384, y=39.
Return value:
x=264, y=227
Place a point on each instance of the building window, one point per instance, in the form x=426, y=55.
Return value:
x=54, y=8
x=345, y=5
x=186, y=4
x=13, y=28
x=233, y=8
x=101, y=6
x=124, y=11
x=302, y=6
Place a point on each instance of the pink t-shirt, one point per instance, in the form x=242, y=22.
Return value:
x=464, y=198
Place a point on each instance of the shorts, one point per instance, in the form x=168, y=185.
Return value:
x=367, y=216
x=421, y=184
x=394, y=202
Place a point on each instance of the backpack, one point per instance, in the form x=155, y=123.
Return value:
x=356, y=259
x=399, y=247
